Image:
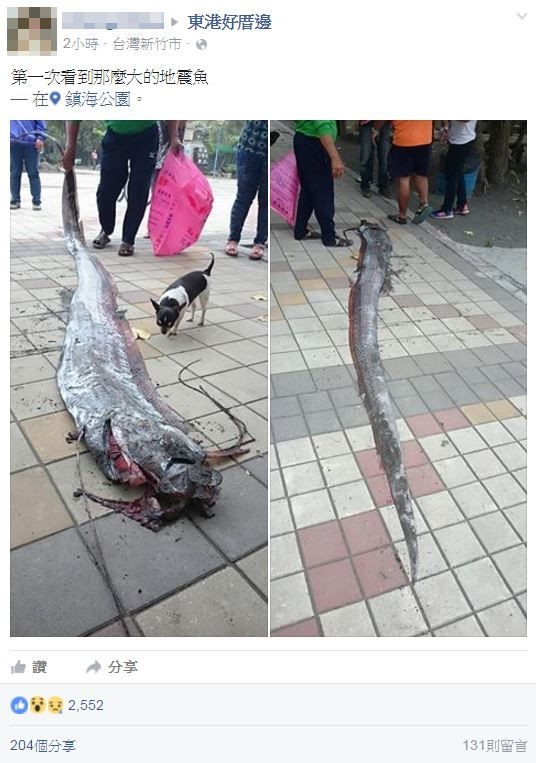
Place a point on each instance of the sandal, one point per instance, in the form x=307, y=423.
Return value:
x=101, y=240
x=231, y=248
x=424, y=211
x=125, y=250
x=257, y=252
x=397, y=219
x=311, y=235
x=340, y=241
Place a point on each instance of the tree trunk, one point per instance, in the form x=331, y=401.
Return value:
x=498, y=150
x=519, y=146
x=482, y=183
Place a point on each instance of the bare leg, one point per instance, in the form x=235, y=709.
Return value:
x=402, y=194
x=421, y=183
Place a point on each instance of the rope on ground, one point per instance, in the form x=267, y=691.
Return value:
x=239, y=424
x=98, y=557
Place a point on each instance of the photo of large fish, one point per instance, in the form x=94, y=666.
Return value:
x=372, y=277
x=134, y=437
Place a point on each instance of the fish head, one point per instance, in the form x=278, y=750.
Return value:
x=374, y=238
x=196, y=480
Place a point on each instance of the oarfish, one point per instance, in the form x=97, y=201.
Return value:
x=133, y=435
x=372, y=276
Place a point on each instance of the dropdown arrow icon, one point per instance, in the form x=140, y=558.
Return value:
x=522, y=16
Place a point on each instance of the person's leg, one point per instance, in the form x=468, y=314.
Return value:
x=317, y=177
x=247, y=187
x=15, y=171
x=366, y=156
x=453, y=166
x=383, y=146
x=31, y=162
x=324, y=199
x=421, y=184
x=142, y=155
x=400, y=168
x=420, y=164
x=304, y=209
x=402, y=196
x=113, y=176
x=461, y=190
x=262, y=197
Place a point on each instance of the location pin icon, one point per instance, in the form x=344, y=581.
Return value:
x=55, y=97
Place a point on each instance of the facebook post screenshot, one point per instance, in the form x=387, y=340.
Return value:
x=267, y=386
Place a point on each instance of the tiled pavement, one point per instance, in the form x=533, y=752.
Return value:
x=199, y=576
x=453, y=344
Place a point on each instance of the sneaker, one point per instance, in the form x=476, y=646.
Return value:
x=36, y=207
x=440, y=214
x=463, y=210
x=14, y=205
x=366, y=193
x=424, y=211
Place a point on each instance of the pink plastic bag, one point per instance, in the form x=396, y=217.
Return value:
x=182, y=201
x=285, y=187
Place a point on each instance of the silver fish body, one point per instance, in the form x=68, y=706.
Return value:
x=133, y=435
x=363, y=337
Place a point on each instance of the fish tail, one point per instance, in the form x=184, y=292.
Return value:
x=407, y=520
x=72, y=226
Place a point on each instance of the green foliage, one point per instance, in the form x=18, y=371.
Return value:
x=223, y=134
x=90, y=136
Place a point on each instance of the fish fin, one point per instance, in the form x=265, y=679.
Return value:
x=226, y=452
x=387, y=287
x=146, y=510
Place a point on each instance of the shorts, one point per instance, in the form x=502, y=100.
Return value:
x=409, y=160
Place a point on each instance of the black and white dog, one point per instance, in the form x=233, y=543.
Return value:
x=185, y=291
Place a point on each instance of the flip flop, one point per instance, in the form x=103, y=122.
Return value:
x=397, y=219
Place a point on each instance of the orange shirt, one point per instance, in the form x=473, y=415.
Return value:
x=412, y=132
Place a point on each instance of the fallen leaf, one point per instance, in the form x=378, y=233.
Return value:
x=141, y=334
x=263, y=318
x=469, y=232
x=259, y=297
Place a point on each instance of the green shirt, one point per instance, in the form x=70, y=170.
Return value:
x=129, y=126
x=316, y=128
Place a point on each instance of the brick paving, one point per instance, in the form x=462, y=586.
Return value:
x=454, y=347
x=197, y=577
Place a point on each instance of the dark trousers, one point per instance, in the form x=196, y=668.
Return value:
x=252, y=180
x=455, y=180
x=317, y=192
x=132, y=158
x=24, y=154
x=367, y=149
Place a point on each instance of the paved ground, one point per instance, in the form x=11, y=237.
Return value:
x=454, y=347
x=199, y=576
